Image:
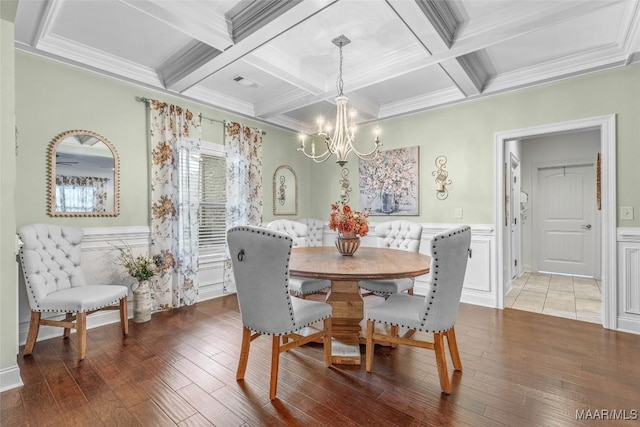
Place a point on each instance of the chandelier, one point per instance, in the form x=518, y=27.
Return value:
x=341, y=142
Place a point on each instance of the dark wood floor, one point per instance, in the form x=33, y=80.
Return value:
x=520, y=369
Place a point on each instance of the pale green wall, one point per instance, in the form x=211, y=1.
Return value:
x=8, y=288
x=53, y=97
x=465, y=133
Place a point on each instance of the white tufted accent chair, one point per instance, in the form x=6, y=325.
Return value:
x=299, y=286
x=260, y=260
x=315, y=231
x=402, y=235
x=435, y=312
x=50, y=259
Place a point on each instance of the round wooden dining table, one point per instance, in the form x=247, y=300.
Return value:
x=325, y=262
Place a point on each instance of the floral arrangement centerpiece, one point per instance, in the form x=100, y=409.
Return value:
x=142, y=269
x=138, y=267
x=350, y=225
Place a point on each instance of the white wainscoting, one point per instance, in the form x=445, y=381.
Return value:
x=628, y=317
x=479, y=285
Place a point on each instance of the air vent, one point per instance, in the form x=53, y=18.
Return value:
x=245, y=81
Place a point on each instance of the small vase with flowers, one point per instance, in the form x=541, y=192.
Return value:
x=350, y=225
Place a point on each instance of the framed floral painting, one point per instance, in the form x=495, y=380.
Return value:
x=389, y=184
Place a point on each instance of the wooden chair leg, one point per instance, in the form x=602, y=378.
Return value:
x=327, y=342
x=369, y=349
x=81, y=332
x=244, y=353
x=394, y=333
x=67, y=331
x=34, y=327
x=275, y=360
x=453, y=349
x=441, y=361
x=124, y=316
x=410, y=291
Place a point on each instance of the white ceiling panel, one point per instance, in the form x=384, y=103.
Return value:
x=409, y=85
x=119, y=30
x=578, y=35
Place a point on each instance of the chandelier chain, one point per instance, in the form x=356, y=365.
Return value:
x=339, y=82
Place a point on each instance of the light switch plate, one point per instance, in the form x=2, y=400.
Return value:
x=626, y=213
x=457, y=213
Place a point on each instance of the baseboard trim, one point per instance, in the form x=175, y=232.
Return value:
x=10, y=378
x=626, y=324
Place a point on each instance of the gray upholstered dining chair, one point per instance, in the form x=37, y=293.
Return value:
x=260, y=259
x=436, y=312
x=50, y=258
x=299, y=286
x=402, y=235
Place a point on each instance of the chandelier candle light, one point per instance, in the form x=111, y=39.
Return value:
x=341, y=143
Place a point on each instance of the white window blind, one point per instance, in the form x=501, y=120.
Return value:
x=212, y=202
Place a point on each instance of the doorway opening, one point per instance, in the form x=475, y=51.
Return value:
x=555, y=182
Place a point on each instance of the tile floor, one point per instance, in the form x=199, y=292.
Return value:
x=573, y=297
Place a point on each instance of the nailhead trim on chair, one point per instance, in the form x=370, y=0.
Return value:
x=434, y=285
x=267, y=232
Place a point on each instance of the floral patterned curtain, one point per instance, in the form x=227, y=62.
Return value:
x=175, y=142
x=81, y=193
x=243, y=147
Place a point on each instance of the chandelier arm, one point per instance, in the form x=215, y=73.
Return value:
x=317, y=158
x=370, y=154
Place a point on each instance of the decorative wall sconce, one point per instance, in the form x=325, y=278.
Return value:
x=282, y=190
x=345, y=186
x=442, y=178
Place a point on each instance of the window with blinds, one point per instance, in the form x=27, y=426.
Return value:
x=212, y=213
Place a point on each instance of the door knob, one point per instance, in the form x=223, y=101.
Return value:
x=586, y=226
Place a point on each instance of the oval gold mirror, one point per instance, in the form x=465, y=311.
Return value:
x=83, y=175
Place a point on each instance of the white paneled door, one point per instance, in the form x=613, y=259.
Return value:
x=566, y=220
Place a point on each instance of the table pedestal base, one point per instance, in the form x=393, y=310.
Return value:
x=348, y=309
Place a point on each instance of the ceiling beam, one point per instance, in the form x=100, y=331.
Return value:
x=248, y=16
x=259, y=37
x=435, y=26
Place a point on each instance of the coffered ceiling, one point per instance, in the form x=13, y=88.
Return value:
x=274, y=59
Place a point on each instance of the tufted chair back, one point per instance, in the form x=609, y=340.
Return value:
x=315, y=231
x=294, y=229
x=50, y=260
x=399, y=234
x=260, y=260
x=449, y=255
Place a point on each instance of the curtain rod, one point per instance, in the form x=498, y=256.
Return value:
x=143, y=99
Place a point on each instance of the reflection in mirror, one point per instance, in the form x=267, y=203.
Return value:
x=285, y=191
x=83, y=175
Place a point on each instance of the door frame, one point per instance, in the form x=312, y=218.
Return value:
x=607, y=126
x=515, y=251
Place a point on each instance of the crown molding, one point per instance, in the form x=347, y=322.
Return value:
x=220, y=100
x=412, y=105
x=593, y=60
x=103, y=62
